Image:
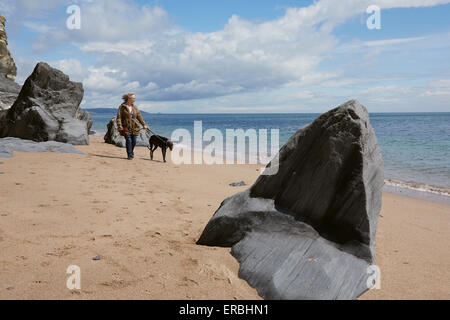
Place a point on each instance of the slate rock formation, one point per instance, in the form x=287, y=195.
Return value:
x=8, y=145
x=48, y=109
x=9, y=90
x=113, y=136
x=308, y=231
x=7, y=66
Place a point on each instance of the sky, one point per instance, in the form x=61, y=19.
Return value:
x=246, y=56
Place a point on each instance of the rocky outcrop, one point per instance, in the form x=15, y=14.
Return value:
x=307, y=231
x=48, y=109
x=9, y=90
x=7, y=66
x=112, y=136
x=8, y=145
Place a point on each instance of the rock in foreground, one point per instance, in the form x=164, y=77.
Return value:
x=308, y=231
x=48, y=109
x=113, y=136
x=8, y=145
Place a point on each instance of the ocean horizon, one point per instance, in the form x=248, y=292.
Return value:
x=415, y=146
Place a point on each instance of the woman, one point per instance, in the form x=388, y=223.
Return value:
x=129, y=117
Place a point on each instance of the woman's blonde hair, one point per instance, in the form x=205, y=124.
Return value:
x=127, y=96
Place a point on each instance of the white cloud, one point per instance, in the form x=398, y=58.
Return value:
x=102, y=79
x=72, y=67
x=312, y=78
x=386, y=42
x=438, y=88
x=37, y=27
x=243, y=56
x=443, y=83
x=139, y=48
x=119, y=20
x=382, y=90
x=125, y=48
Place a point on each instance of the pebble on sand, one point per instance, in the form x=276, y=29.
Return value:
x=238, y=184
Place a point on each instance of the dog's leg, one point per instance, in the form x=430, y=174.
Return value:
x=164, y=154
x=153, y=150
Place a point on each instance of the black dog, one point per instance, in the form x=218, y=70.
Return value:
x=162, y=142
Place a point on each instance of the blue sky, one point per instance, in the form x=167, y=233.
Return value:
x=209, y=16
x=241, y=56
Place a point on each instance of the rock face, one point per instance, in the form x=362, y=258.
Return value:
x=48, y=109
x=7, y=66
x=8, y=145
x=113, y=136
x=9, y=90
x=308, y=231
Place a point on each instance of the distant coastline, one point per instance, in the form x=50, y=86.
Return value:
x=109, y=110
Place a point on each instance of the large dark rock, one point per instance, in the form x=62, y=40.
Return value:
x=48, y=109
x=307, y=231
x=113, y=136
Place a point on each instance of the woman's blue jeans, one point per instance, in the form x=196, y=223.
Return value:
x=130, y=141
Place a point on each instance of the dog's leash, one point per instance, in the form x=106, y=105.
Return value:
x=148, y=130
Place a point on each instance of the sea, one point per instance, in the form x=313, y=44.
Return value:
x=415, y=146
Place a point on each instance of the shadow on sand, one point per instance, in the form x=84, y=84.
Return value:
x=109, y=157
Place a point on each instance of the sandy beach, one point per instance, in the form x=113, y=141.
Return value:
x=142, y=219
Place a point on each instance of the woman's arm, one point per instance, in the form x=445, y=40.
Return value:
x=140, y=119
x=119, y=119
